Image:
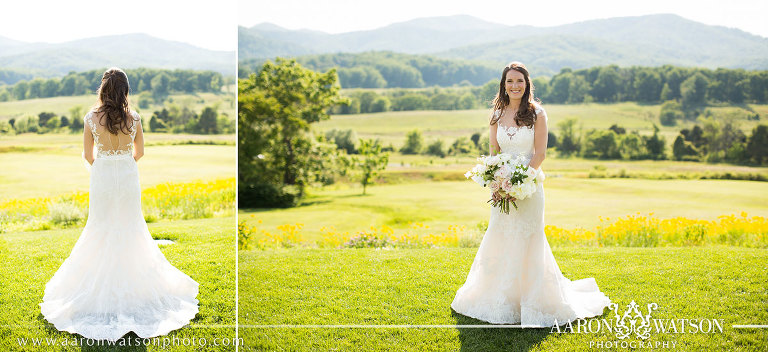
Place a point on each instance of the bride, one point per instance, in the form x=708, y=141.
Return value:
x=116, y=280
x=514, y=278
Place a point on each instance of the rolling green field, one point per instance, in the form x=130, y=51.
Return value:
x=62, y=105
x=52, y=164
x=392, y=127
x=204, y=249
x=416, y=287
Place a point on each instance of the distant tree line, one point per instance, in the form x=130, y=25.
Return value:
x=158, y=83
x=172, y=118
x=384, y=69
x=689, y=86
x=10, y=76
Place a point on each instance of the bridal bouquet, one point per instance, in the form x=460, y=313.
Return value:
x=507, y=176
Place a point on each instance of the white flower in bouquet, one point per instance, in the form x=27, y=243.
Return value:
x=503, y=172
x=493, y=160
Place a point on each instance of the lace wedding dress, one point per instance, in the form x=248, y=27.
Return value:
x=116, y=279
x=514, y=278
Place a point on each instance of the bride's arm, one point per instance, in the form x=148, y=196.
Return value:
x=87, y=144
x=493, y=143
x=138, y=143
x=539, y=140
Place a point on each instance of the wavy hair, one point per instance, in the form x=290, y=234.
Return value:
x=526, y=112
x=113, y=101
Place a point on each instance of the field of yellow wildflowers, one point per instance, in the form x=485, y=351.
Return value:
x=184, y=200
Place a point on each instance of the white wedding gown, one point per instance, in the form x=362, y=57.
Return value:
x=116, y=279
x=514, y=278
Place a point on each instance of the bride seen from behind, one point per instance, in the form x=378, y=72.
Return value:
x=116, y=279
x=514, y=278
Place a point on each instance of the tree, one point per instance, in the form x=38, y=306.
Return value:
x=461, y=145
x=207, y=122
x=157, y=122
x=655, y=145
x=414, y=142
x=436, y=148
x=344, y=139
x=569, y=142
x=381, y=104
x=601, y=145
x=409, y=102
x=684, y=150
x=606, y=87
x=371, y=161
x=161, y=86
x=43, y=117
x=275, y=109
x=560, y=87
x=20, y=90
x=694, y=90
x=632, y=146
x=757, y=146
x=76, y=118
x=671, y=111
x=578, y=91
x=647, y=85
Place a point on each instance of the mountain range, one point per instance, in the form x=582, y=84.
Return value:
x=650, y=40
x=125, y=51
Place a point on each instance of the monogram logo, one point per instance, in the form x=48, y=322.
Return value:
x=633, y=321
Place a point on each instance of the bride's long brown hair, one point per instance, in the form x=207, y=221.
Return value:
x=113, y=101
x=526, y=112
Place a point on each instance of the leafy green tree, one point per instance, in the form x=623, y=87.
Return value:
x=371, y=161
x=694, y=90
x=684, y=150
x=344, y=139
x=409, y=102
x=757, y=146
x=632, y=146
x=647, y=85
x=671, y=112
x=607, y=85
x=20, y=90
x=381, y=104
x=570, y=142
x=655, y=145
x=461, y=145
x=436, y=148
x=275, y=109
x=161, y=86
x=207, y=122
x=76, y=118
x=601, y=144
x=414, y=142
x=158, y=121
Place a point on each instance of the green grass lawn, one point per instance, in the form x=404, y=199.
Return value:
x=204, y=250
x=56, y=166
x=416, y=286
x=570, y=203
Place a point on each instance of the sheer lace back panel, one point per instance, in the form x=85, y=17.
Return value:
x=108, y=144
x=516, y=140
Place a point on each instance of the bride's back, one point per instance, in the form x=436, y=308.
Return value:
x=105, y=141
